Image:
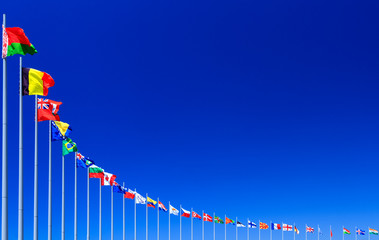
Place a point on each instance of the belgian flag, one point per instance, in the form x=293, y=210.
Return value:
x=35, y=82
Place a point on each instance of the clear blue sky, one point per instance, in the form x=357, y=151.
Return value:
x=255, y=109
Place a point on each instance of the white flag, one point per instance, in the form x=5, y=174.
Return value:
x=174, y=211
x=140, y=199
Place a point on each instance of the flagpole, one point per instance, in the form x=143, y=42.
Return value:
x=169, y=227
x=100, y=230
x=4, y=189
x=225, y=226
x=283, y=231
x=294, y=232
x=367, y=234
x=236, y=228
x=21, y=164
x=87, y=203
x=356, y=235
x=63, y=203
x=191, y=225
x=147, y=221
x=180, y=222
x=318, y=232
x=330, y=232
x=158, y=220
x=76, y=202
x=202, y=226
x=305, y=231
x=343, y=233
x=35, y=212
x=214, y=226
x=135, y=214
x=248, y=226
x=259, y=230
x=50, y=223
x=270, y=230
x=123, y=212
x=112, y=233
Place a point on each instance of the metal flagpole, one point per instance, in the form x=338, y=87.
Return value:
x=356, y=235
x=248, y=226
x=158, y=219
x=368, y=233
x=63, y=216
x=180, y=224
x=305, y=231
x=87, y=203
x=343, y=233
x=35, y=212
x=4, y=189
x=135, y=214
x=50, y=223
x=147, y=221
x=169, y=227
x=259, y=230
x=236, y=228
x=100, y=230
x=123, y=212
x=214, y=226
x=112, y=233
x=191, y=225
x=225, y=226
x=270, y=230
x=202, y=226
x=21, y=165
x=283, y=231
x=76, y=202
x=294, y=232
x=318, y=232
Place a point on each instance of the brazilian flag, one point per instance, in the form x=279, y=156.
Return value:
x=68, y=146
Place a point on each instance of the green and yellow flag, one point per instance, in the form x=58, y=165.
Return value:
x=68, y=146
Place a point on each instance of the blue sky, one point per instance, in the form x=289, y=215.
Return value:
x=256, y=109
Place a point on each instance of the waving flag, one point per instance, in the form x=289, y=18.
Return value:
x=129, y=193
x=162, y=207
x=174, y=210
x=16, y=42
x=140, y=199
x=207, y=218
x=251, y=224
x=151, y=202
x=117, y=188
x=287, y=227
x=219, y=220
x=108, y=179
x=35, y=82
x=195, y=215
x=185, y=213
x=96, y=172
x=239, y=224
x=297, y=231
x=309, y=229
x=373, y=231
x=345, y=231
x=59, y=130
x=360, y=232
x=82, y=161
x=68, y=146
x=47, y=110
x=228, y=220
x=275, y=226
x=263, y=225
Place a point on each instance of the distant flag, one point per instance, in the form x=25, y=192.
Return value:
x=174, y=210
x=82, y=161
x=140, y=199
x=287, y=227
x=228, y=220
x=251, y=224
x=219, y=220
x=319, y=230
x=16, y=42
x=161, y=206
x=185, y=213
x=345, y=231
x=151, y=202
x=117, y=188
x=47, y=110
x=239, y=224
x=263, y=225
x=207, y=218
x=108, y=179
x=195, y=215
x=297, y=231
x=129, y=193
x=360, y=232
x=275, y=226
x=96, y=172
x=373, y=231
x=68, y=146
x=309, y=229
x=331, y=233
x=35, y=82
x=59, y=130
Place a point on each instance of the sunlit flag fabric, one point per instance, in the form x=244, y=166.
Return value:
x=373, y=231
x=251, y=224
x=228, y=220
x=151, y=202
x=345, y=231
x=185, y=213
x=68, y=146
x=263, y=225
x=239, y=224
x=59, y=130
x=47, y=110
x=129, y=193
x=297, y=231
x=161, y=206
x=309, y=229
x=108, y=179
x=35, y=82
x=96, y=172
x=16, y=42
x=173, y=210
x=207, y=218
x=82, y=161
x=140, y=199
x=275, y=226
x=360, y=232
x=219, y=220
x=195, y=215
x=287, y=227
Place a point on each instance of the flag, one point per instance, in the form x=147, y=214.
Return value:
x=129, y=193
x=16, y=42
x=35, y=82
x=373, y=231
x=117, y=188
x=228, y=220
x=275, y=226
x=140, y=199
x=219, y=220
x=95, y=172
x=47, y=110
x=345, y=231
x=360, y=232
x=251, y=224
x=161, y=207
x=263, y=225
x=108, y=179
x=297, y=231
x=59, y=130
x=207, y=218
x=195, y=215
x=309, y=229
x=239, y=224
x=151, y=202
x=319, y=230
x=287, y=227
x=331, y=233
x=82, y=161
x=68, y=146
x=185, y=213
x=174, y=210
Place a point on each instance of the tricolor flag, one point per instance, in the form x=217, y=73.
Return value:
x=59, y=130
x=35, y=82
x=151, y=202
x=219, y=220
x=228, y=220
x=251, y=224
x=129, y=193
x=275, y=226
x=108, y=179
x=83, y=162
x=185, y=213
x=161, y=207
x=309, y=229
x=96, y=172
x=287, y=227
x=195, y=215
x=140, y=199
x=16, y=42
x=207, y=218
x=47, y=110
x=297, y=231
x=373, y=231
x=239, y=224
x=345, y=231
x=174, y=210
x=360, y=232
x=263, y=225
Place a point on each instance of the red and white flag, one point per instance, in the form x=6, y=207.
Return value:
x=195, y=215
x=108, y=179
x=309, y=229
x=129, y=194
x=287, y=227
x=207, y=218
x=185, y=213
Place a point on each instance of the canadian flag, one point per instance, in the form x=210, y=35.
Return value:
x=108, y=179
x=185, y=213
x=207, y=218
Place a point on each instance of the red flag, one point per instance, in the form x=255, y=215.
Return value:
x=129, y=194
x=195, y=215
x=47, y=110
x=228, y=220
x=331, y=233
x=207, y=218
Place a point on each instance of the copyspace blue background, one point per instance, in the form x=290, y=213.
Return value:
x=255, y=109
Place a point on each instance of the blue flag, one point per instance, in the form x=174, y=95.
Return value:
x=118, y=188
x=83, y=162
x=59, y=130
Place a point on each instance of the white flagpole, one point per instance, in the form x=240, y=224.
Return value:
x=318, y=232
x=283, y=231
x=4, y=189
x=158, y=219
x=88, y=204
x=356, y=235
x=236, y=228
x=180, y=222
x=191, y=225
x=112, y=233
x=135, y=214
x=248, y=226
x=21, y=165
x=63, y=203
x=225, y=226
x=76, y=202
x=202, y=226
x=214, y=226
x=35, y=212
x=305, y=231
x=100, y=220
x=123, y=212
x=147, y=219
x=259, y=230
x=294, y=232
x=169, y=227
x=368, y=233
x=270, y=230
x=50, y=223
x=343, y=233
